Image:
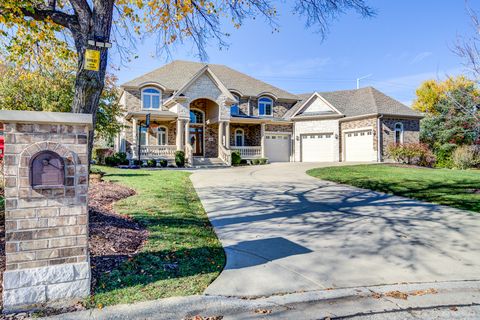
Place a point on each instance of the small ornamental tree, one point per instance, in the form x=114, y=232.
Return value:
x=35, y=33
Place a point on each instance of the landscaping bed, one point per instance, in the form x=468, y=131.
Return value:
x=113, y=238
x=182, y=255
x=455, y=188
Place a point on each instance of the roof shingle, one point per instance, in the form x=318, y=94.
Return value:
x=362, y=101
x=174, y=75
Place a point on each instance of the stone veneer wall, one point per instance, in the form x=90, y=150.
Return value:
x=411, y=131
x=279, y=127
x=279, y=107
x=357, y=124
x=46, y=230
x=133, y=99
x=252, y=134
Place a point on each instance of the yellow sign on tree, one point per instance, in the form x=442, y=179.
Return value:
x=92, y=60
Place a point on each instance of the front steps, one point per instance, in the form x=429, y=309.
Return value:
x=201, y=162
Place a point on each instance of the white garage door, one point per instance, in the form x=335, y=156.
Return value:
x=318, y=147
x=277, y=147
x=359, y=146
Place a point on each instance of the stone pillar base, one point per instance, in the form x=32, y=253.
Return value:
x=28, y=288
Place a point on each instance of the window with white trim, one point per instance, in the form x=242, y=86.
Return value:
x=239, y=138
x=398, y=137
x=235, y=108
x=151, y=98
x=265, y=106
x=162, y=136
x=196, y=116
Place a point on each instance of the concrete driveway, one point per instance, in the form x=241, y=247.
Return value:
x=284, y=231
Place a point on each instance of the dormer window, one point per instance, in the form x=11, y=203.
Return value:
x=265, y=106
x=151, y=98
x=235, y=108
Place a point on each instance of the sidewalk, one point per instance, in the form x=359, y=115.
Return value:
x=366, y=302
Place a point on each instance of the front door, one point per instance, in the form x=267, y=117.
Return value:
x=196, y=140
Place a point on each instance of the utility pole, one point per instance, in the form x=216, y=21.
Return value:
x=361, y=78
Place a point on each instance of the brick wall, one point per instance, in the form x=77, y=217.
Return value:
x=46, y=229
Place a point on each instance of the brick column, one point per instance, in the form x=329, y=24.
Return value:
x=46, y=223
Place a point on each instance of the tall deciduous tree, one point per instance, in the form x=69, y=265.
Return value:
x=35, y=26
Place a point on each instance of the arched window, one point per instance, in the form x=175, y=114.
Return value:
x=235, y=108
x=151, y=98
x=265, y=106
x=162, y=136
x=239, y=138
x=196, y=116
x=398, y=138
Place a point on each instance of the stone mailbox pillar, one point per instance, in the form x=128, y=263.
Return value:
x=46, y=214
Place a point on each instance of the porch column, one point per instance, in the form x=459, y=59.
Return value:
x=262, y=142
x=187, y=132
x=227, y=135
x=220, y=133
x=134, y=138
x=179, y=135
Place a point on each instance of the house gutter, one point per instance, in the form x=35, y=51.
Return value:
x=379, y=139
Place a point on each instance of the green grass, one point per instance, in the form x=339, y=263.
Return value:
x=180, y=233
x=455, y=188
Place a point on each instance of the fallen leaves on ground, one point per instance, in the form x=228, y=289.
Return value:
x=403, y=295
x=263, y=311
x=198, y=317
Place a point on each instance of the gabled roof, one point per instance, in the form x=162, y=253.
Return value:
x=176, y=74
x=360, y=102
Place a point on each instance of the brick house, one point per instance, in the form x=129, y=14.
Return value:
x=209, y=110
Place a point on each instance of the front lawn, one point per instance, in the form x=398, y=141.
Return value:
x=182, y=255
x=455, y=188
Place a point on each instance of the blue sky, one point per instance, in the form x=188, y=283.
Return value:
x=409, y=41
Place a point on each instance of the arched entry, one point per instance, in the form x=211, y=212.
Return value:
x=203, y=131
x=197, y=129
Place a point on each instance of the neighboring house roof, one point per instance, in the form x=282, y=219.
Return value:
x=176, y=74
x=359, y=102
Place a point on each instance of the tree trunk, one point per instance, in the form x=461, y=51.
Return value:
x=89, y=84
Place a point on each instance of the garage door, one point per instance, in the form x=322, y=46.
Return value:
x=277, y=147
x=359, y=146
x=318, y=147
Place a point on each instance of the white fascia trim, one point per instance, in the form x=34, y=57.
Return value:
x=316, y=95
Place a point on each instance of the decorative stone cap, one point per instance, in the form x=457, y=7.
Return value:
x=45, y=117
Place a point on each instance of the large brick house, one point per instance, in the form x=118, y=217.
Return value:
x=209, y=110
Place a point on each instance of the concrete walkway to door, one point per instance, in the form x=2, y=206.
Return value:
x=284, y=231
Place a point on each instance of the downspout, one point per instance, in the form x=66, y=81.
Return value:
x=379, y=139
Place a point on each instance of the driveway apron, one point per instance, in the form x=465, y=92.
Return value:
x=284, y=231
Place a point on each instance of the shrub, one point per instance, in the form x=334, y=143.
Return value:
x=411, y=153
x=151, y=163
x=99, y=154
x=137, y=162
x=263, y=160
x=119, y=158
x=465, y=157
x=236, y=158
x=163, y=163
x=256, y=161
x=180, y=159
x=97, y=171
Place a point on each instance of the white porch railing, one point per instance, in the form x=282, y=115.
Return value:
x=248, y=152
x=154, y=152
x=225, y=155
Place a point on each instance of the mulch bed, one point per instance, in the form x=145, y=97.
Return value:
x=114, y=238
